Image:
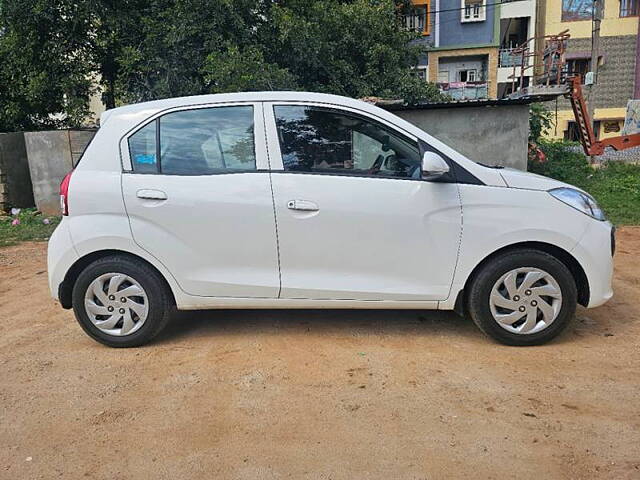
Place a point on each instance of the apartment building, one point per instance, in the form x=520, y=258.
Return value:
x=618, y=71
x=468, y=43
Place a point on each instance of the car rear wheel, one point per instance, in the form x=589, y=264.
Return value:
x=121, y=301
x=523, y=297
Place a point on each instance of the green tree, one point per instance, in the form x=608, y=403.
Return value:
x=540, y=121
x=349, y=47
x=355, y=48
x=53, y=51
x=166, y=55
x=45, y=72
x=242, y=70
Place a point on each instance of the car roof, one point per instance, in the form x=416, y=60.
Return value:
x=269, y=96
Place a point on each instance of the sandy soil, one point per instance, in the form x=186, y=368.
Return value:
x=316, y=394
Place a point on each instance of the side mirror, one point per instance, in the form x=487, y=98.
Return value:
x=433, y=166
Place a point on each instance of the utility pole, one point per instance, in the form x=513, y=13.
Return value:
x=595, y=54
x=636, y=93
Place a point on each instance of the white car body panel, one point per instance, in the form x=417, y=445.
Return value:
x=61, y=255
x=349, y=248
x=399, y=244
x=436, y=247
x=597, y=267
x=514, y=216
x=202, y=229
x=529, y=181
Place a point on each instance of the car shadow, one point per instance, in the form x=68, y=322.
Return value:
x=187, y=324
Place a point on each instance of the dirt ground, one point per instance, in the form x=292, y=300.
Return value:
x=316, y=394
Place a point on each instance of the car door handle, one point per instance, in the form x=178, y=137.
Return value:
x=302, y=205
x=151, y=194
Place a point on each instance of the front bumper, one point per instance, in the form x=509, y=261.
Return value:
x=594, y=252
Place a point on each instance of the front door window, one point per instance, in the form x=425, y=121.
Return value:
x=325, y=140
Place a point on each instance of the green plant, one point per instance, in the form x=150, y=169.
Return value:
x=26, y=224
x=563, y=162
x=539, y=121
x=617, y=187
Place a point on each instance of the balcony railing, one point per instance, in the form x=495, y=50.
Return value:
x=510, y=57
x=465, y=90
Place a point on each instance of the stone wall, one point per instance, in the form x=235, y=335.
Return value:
x=15, y=181
x=616, y=74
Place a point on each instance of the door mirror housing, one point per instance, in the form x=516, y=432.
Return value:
x=433, y=166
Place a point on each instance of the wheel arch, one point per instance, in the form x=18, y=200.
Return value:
x=65, y=288
x=569, y=261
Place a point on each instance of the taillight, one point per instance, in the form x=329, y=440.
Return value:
x=64, y=193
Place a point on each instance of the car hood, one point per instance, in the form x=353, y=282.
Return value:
x=530, y=181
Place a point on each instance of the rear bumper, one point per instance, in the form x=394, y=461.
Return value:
x=61, y=255
x=595, y=253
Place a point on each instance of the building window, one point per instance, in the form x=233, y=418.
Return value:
x=421, y=73
x=572, y=133
x=576, y=10
x=417, y=18
x=473, y=10
x=578, y=66
x=629, y=8
x=470, y=75
x=612, y=126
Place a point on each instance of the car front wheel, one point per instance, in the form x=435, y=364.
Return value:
x=121, y=301
x=522, y=297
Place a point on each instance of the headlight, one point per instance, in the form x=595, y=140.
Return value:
x=579, y=200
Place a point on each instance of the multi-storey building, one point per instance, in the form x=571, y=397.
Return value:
x=467, y=43
x=618, y=66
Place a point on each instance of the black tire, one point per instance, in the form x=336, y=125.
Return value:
x=159, y=299
x=483, y=282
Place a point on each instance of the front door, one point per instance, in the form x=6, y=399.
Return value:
x=355, y=219
x=199, y=200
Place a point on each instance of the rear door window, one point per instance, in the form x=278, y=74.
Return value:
x=196, y=142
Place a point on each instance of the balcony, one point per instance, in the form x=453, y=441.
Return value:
x=508, y=58
x=465, y=90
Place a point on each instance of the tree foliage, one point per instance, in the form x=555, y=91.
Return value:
x=540, y=121
x=53, y=51
x=45, y=72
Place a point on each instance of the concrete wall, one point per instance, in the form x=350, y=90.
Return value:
x=493, y=135
x=15, y=181
x=51, y=155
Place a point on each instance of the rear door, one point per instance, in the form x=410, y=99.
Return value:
x=199, y=199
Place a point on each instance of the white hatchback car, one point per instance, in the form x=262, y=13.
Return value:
x=305, y=200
